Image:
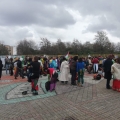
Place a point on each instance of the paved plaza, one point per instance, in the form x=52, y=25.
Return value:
x=90, y=102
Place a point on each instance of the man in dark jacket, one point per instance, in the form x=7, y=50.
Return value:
x=19, y=69
x=73, y=65
x=35, y=74
x=107, y=69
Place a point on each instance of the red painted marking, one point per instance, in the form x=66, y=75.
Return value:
x=10, y=79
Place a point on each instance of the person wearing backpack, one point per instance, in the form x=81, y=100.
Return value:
x=80, y=72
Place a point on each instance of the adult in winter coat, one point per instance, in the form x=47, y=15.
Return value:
x=73, y=65
x=35, y=65
x=107, y=70
x=115, y=70
x=64, y=71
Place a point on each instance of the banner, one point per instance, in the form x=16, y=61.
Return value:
x=67, y=56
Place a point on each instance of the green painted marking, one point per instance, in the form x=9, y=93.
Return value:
x=4, y=90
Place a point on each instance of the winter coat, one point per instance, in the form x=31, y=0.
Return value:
x=107, y=68
x=115, y=70
x=64, y=71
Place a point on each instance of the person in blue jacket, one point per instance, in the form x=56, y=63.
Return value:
x=80, y=72
x=53, y=64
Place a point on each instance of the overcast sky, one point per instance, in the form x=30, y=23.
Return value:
x=58, y=19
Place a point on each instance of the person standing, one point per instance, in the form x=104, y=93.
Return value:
x=19, y=69
x=11, y=66
x=95, y=62
x=7, y=61
x=89, y=65
x=1, y=65
x=64, y=71
x=115, y=70
x=107, y=70
x=29, y=69
x=73, y=65
x=35, y=65
x=80, y=72
x=53, y=63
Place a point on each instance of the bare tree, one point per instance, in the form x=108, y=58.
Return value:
x=26, y=47
x=3, y=49
x=45, y=46
x=102, y=42
x=117, y=47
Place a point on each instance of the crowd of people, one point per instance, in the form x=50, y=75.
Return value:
x=71, y=69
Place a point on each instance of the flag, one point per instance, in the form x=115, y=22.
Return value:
x=67, y=56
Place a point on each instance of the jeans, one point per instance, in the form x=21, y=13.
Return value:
x=6, y=67
x=80, y=78
x=95, y=67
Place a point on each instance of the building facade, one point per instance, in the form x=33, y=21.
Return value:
x=10, y=49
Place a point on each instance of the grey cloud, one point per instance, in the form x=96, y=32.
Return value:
x=12, y=35
x=103, y=24
x=52, y=14
x=97, y=8
x=33, y=12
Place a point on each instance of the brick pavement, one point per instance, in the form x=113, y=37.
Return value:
x=91, y=102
